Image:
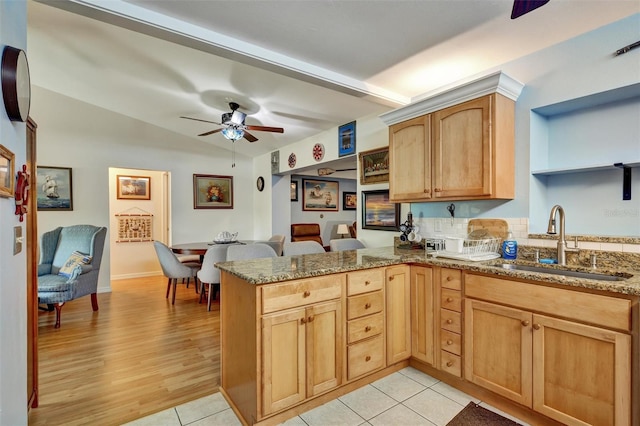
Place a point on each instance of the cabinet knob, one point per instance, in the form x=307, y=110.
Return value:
x=437, y=190
x=449, y=321
x=367, y=282
x=426, y=191
x=449, y=342
x=449, y=299
x=367, y=328
x=306, y=293
x=449, y=363
x=391, y=278
x=449, y=278
x=536, y=326
x=367, y=305
x=303, y=320
x=367, y=358
x=525, y=323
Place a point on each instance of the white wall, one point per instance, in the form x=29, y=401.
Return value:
x=90, y=140
x=13, y=275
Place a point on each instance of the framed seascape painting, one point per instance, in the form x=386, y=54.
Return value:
x=212, y=192
x=347, y=139
x=378, y=212
x=54, y=188
x=349, y=201
x=374, y=166
x=133, y=187
x=319, y=195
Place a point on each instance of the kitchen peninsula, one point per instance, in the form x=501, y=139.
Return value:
x=298, y=331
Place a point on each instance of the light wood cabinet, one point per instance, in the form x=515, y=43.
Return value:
x=572, y=372
x=422, y=314
x=449, y=300
x=398, y=313
x=463, y=152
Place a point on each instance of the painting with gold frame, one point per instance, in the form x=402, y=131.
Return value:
x=374, y=166
x=133, y=187
x=7, y=172
x=212, y=192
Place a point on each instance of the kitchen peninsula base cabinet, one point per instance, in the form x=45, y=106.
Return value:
x=564, y=353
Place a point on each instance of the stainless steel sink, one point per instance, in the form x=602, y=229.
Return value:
x=564, y=272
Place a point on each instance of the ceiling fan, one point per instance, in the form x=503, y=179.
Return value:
x=233, y=127
x=520, y=7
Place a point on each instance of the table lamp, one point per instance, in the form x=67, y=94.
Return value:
x=343, y=230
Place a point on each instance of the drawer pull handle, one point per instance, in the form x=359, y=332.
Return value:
x=367, y=305
x=449, y=299
x=306, y=293
x=367, y=282
x=367, y=328
x=437, y=189
x=368, y=358
x=449, y=363
x=536, y=326
x=525, y=323
x=449, y=278
x=449, y=342
x=426, y=191
x=449, y=321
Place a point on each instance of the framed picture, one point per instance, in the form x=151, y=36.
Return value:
x=378, y=212
x=347, y=139
x=54, y=190
x=319, y=195
x=133, y=187
x=349, y=201
x=294, y=190
x=7, y=172
x=374, y=166
x=212, y=192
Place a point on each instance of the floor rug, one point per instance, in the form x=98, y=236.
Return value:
x=476, y=415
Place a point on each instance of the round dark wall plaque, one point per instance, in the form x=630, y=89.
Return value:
x=260, y=183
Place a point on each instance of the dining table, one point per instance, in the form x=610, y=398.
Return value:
x=200, y=248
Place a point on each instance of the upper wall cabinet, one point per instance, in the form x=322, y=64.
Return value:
x=464, y=151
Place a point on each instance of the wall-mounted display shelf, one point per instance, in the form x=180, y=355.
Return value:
x=592, y=168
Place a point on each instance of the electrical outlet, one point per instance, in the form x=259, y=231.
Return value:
x=437, y=225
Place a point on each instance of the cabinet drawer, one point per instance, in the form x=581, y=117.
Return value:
x=451, y=299
x=365, y=327
x=450, y=320
x=365, y=357
x=364, y=281
x=590, y=308
x=364, y=304
x=299, y=293
x=450, y=342
x=451, y=363
x=451, y=278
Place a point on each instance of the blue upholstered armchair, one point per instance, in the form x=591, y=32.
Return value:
x=70, y=260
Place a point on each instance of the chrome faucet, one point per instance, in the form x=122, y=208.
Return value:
x=562, y=243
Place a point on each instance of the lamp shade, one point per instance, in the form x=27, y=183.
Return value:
x=343, y=229
x=233, y=133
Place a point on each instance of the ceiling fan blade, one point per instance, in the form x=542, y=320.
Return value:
x=198, y=119
x=265, y=129
x=210, y=133
x=248, y=136
x=520, y=7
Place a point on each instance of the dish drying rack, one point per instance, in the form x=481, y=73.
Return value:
x=473, y=250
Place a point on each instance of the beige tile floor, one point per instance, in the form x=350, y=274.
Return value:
x=408, y=398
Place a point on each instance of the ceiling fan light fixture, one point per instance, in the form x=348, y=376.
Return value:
x=238, y=117
x=233, y=133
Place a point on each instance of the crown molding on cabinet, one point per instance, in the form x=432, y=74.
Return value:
x=497, y=82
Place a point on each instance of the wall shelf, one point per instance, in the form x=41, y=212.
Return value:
x=581, y=169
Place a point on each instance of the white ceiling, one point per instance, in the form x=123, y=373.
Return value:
x=307, y=66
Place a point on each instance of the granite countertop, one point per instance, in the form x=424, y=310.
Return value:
x=277, y=269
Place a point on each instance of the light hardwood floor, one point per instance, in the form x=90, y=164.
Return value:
x=136, y=356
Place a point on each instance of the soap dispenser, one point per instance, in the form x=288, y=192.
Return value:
x=510, y=247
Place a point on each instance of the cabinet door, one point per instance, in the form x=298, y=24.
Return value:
x=462, y=158
x=581, y=373
x=398, y=304
x=497, y=342
x=283, y=360
x=410, y=159
x=422, y=314
x=324, y=347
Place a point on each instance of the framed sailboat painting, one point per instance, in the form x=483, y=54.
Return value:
x=53, y=188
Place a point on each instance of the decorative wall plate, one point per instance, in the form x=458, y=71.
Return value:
x=318, y=151
x=292, y=160
x=260, y=183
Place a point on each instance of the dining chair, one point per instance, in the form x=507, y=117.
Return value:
x=173, y=269
x=249, y=251
x=279, y=240
x=302, y=247
x=209, y=274
x=345, y=244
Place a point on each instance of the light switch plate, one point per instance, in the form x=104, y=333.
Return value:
x=17, y=239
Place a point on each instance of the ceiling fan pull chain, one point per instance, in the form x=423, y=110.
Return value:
x=233, y=154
